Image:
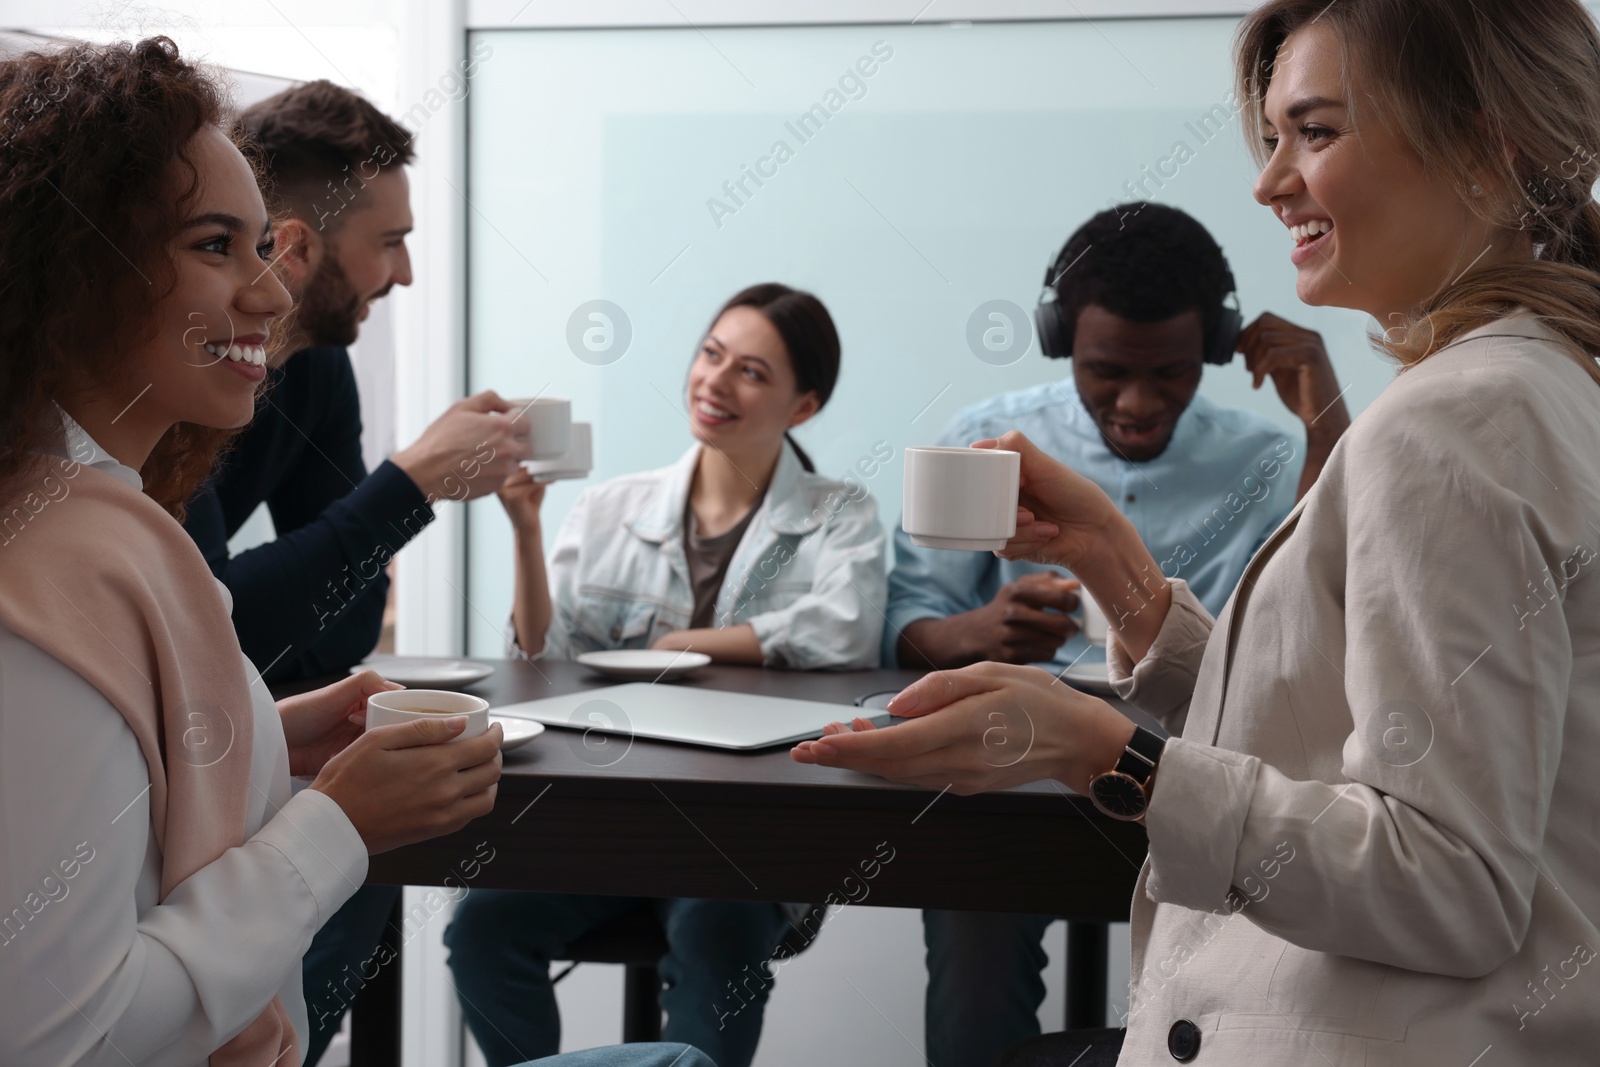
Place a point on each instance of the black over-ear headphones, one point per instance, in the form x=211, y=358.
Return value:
x=1055, y=331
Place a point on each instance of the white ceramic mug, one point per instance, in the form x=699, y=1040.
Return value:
x=962, y=498
x=550, y=419
x=1091, y=619
x=575, y=462
x=403, y=705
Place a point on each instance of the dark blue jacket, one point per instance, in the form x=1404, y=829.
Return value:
x=310, y=602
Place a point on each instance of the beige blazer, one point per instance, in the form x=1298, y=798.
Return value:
x=1377, y=840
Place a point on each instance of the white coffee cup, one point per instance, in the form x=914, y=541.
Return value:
x=550, y=419
x=575, y=462
x=1091, y=619
x=404, y=705
x=961, y=498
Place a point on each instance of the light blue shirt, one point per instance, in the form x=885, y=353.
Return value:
x=1202, y=507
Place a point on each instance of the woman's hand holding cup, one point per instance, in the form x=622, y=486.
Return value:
x=319, y=724
x=1063, y=518
x=403, y=783
x=1067, y=520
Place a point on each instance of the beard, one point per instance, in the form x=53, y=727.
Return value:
x=330, y=309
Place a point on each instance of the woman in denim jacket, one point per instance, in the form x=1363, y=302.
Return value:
x=637, y=562
x=739, y=550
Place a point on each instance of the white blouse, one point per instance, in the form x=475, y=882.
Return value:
x=93, y=969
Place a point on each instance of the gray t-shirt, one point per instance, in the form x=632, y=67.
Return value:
x=708, y=562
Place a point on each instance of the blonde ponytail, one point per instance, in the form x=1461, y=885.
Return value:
x=1564, y=295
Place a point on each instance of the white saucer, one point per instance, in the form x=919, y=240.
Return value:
x=426, y=672
x=967, y=544
x=1091, y=676
x=643, y=664
x=545, y=471
x=518, y=732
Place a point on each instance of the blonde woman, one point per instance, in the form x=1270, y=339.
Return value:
x=1375, y=833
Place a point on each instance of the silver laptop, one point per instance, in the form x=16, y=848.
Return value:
x=696, y=716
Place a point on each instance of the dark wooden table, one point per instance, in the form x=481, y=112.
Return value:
x=586, y=813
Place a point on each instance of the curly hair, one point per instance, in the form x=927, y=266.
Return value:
x=1143, y=262
x=91, y=140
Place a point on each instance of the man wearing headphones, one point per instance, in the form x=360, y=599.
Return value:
x=1137, y=299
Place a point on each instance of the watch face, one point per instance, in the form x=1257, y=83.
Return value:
x=1118, y=795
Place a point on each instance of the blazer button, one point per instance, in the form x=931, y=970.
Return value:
x=1183, y=1040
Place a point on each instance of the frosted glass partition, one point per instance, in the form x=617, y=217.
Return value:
x=661, y=170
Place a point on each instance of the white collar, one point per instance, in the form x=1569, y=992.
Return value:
x=79, y=446
x=786, y=507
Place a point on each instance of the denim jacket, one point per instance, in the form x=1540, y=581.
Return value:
x=809, y=575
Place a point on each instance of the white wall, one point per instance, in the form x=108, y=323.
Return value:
x=976, y=149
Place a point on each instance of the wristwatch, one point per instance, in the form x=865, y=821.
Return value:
x=1124, y=791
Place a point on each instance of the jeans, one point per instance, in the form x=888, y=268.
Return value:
x=629, y=1056
x=502, y=941
x=985, y=984
x=332, y=971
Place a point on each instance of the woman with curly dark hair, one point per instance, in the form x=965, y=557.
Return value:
x=160, y=881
